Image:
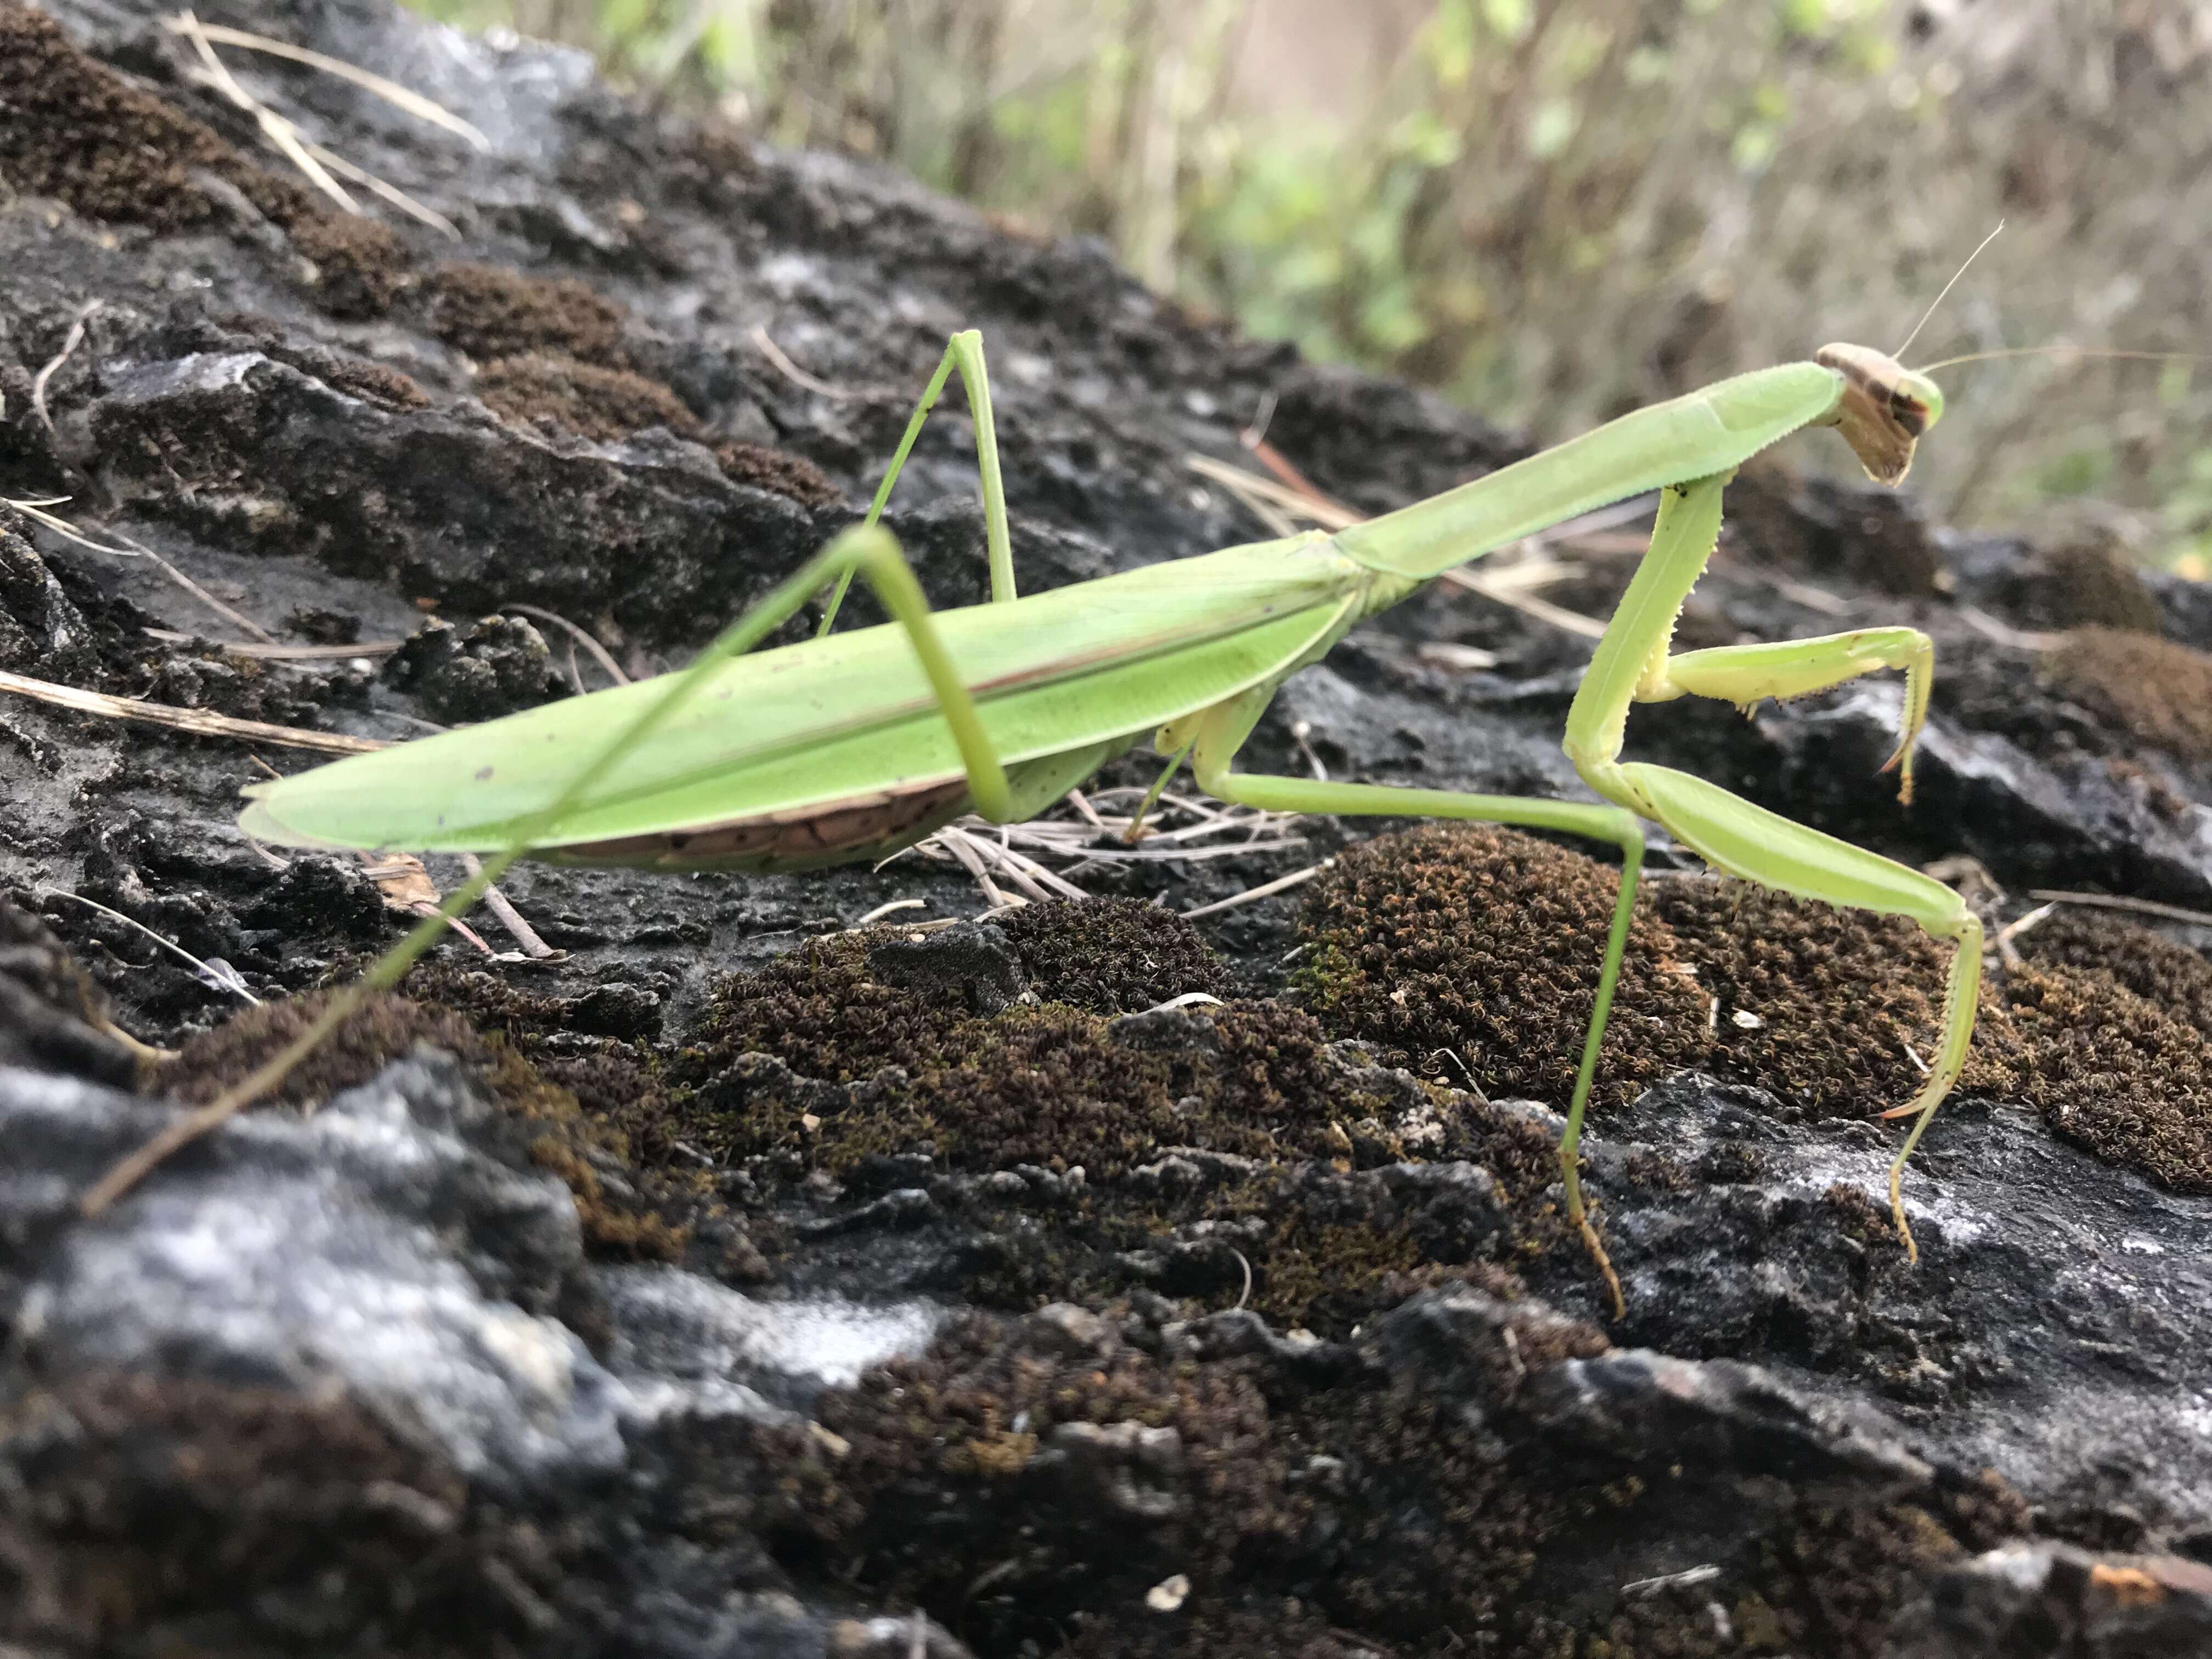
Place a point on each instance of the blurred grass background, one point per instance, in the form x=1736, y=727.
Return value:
x=1556, y=209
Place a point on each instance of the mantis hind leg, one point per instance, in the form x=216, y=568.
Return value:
x=964, y=351
x=1223, y=730
x=866, y=550
x=1730, y=834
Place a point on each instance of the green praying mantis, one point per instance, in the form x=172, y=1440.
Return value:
x=849, y=746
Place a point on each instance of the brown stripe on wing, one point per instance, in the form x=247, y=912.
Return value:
x=879, y=822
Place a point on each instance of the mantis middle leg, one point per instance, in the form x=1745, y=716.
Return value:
x=1215, y=736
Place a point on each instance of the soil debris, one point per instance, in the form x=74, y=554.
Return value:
x=493, y=665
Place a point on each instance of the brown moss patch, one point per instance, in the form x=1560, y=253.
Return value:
x=489, y=312
x=1481, y=942
x=79, y=133
x=561, y=1138
x=160, y=1499
x=995, y=1438
x=1044, y=1085
x=2155, y=968
x=1114, y=956
x=1485, y=944
x=778, y=471
x=603, y=404
x=1816, y=1004
x=2087, y=582
x=2115, y=1072
x=2156, y=692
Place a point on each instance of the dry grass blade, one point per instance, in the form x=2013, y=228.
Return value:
x=313, y=159
x=218, y=974
x=35, y=510
x=1038, y=856
x=199, y=722
x=391, y=91
x=259, y=653
x=2013, y=639
x=1508, y=587
x=383, y=189
x=1272, y=503
x=1265, y=890
x=798, y=377
x=274, y=127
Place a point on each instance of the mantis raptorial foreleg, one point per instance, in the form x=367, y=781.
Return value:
x=1745, y=674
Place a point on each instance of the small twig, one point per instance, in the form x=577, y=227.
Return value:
x=799, y=377
x=1687, y=1579
x=1266, y=889
x=2012, y=930
x=2110, y=902
x=224, y=978
x=391, y=91
x=69, y=345
x=600, y=655
x=1244, y=1295
x=1187, y=999
x=1455, y=658
x=509, y=918
x=199, y=721
x=1812, y=598
x=2003, y=634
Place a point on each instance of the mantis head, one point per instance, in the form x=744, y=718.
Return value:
x=1884, y=409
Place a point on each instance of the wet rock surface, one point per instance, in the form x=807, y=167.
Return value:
x=1091, y=1279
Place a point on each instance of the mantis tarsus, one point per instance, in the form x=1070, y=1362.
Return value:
x=849, y=746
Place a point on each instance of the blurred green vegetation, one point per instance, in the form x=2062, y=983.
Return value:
x=1555, y=210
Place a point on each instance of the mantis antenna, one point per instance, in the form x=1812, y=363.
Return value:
x=2056, y=350
x=1947, y=288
